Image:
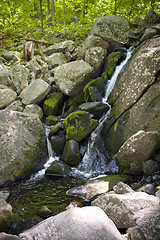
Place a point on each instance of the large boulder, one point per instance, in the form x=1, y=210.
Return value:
x=79, y=125
x=71, y=153
x=72, y=77
x=5, y=215
x=122, y=207
x=19, y=78
x=95, y=56
x=148, y=221
x=56, y=59
x=76, y=223
x=135, y=97
x=35, y=92
x=7, y=96
x=90, y=42
x=66, y=46
x=22, y=145
x=136, y=150
x=113, y=29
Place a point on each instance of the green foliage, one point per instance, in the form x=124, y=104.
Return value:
x=73, y=18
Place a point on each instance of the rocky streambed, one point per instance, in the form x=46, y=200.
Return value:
x=64, y=88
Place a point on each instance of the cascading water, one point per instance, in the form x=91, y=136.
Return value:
x=51, y=158
x=96, y=160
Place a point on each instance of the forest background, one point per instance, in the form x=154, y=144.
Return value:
x=43, y=19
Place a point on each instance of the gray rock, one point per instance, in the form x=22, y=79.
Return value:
x=90, y=42
x=16, y=106
x=95, y=56
x=5, y=236
x=113, y=29
x=148, y=221
x=4, y=75
x=149, y=33
x=148, y=188
x=96, y=108
x=35, y=92
x=72, y=77
x=22, y=145
x=34, y=108
x=135, y=233
x=19, y=77
x=76, y=223
x=135, y=97
x=5, y=215
x=12, y=56
x=66, y=46
x=150, y=19
x=136, y=150
x=150, y=167
x=122, y=188
x=71, y=153
x=56, y=59
x=4, y=194
x=122, y=207
x=34, y=66
x=7, y=96
x=89, y=190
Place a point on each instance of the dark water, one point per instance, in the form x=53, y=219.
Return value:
x=27, y=196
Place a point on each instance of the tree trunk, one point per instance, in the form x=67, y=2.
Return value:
x=53, y=11
x=41, y=15
x=64, y=11
x=48, y=7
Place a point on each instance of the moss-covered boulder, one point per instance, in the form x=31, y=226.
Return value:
x=79, y=125
x=55, y=129
x=114, y=59
x=53, y=105
x=71, y=153
x=96, y=108
x=94, y=90
x=58, y=169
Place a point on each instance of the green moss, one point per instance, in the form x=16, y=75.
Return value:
x=53, y=105
x=98, y=85
x=113, y=62
x=144, y=126
x=52, y=120
x=79, y=125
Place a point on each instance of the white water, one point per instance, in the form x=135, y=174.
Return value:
x=95, y=161
x=51, y=158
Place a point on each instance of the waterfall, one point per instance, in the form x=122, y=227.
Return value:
x=51, y=158
x=96, y=160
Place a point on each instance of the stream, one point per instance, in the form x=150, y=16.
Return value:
x=40, y=190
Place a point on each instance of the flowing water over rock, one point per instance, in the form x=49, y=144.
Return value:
x=96, y=160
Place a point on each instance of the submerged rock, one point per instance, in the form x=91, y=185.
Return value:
x=89, y=190
x=76, y=223
x=79, y=125
x=44, y=212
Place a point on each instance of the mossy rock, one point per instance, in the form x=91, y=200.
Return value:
x=55, y=129
x=79, y=125
x=44, y=212
x=114, y=59
x=96, y=108
x=58, y=169
x=58, y=143
x=52, y=120
x=53, y=105
x=71, y=154
x=94, y=90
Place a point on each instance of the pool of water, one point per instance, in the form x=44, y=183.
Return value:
x=28, y=196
